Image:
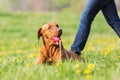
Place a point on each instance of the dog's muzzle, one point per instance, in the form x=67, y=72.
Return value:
x=60, y=32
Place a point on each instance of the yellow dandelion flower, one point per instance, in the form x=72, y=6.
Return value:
x=77, y=71
x=34, y=48
x=18, y=59
x=2, y=48
x=58, y=64
x=110, y=49
x=87, y=71
x=118, y=56
x=88, y=77
x=77, y=65
x=91, y=66
x=32, y=55
x=28, y=65
x=19, y=51
x=1, y=59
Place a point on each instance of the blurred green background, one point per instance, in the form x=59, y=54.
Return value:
x=19, y=48
x=44, y=5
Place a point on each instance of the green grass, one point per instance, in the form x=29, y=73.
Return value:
x=19, y=48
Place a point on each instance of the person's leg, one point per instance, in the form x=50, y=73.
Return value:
x=111, y=16
x=90, y=11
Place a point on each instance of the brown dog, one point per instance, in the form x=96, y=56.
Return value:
x=52, y=50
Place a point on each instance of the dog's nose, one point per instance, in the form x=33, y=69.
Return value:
x=60, y=31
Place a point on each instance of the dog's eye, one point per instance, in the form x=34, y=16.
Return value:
x=57, y=25
x=49, y=27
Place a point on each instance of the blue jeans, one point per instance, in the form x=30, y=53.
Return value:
x=109, y=11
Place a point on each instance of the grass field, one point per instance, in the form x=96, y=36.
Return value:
x=19, y=49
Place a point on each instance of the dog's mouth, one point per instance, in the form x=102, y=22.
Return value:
x=56, y=39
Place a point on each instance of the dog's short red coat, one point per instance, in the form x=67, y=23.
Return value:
x=50, y=50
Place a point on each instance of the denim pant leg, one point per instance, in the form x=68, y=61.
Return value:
x=110, y=13
x=90, y=11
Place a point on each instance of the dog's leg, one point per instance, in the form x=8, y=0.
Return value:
x=57, y=57
x=40, y=59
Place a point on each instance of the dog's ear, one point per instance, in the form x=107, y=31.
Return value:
x=39, y=34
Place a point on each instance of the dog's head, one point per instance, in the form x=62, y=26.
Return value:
x=50, y=32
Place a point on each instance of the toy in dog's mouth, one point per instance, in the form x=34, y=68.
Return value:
x=56, y=39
